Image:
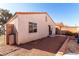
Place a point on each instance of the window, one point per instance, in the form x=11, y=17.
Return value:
x=32, y=27
x=46, y=18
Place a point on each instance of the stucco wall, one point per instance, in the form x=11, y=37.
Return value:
x=42, y=27
x=50, y=22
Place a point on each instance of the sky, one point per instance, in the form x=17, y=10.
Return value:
x=68, y=13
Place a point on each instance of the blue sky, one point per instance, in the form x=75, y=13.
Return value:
x=60, y=12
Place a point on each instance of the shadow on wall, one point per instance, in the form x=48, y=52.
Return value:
x=15, y=33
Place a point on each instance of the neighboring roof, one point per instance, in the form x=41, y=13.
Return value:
x=30, y=13
x=72, y=26
x=59, y=24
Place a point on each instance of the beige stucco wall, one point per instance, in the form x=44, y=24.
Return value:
x=50, y=22
x=42, y=27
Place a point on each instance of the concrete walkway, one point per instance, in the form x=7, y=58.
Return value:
x=73, y=48
x=6, y=49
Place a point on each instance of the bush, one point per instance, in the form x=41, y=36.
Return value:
x=69, y=33
x=2, y=31
x=76, y=35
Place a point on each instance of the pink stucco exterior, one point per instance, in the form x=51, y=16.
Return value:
x=21, y=26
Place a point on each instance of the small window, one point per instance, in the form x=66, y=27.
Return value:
x=46, y=18
x=32, y=27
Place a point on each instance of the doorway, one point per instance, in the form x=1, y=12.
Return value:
x=9, y=31
x=50, y=30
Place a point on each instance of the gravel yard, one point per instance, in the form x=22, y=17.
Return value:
x=43, y=47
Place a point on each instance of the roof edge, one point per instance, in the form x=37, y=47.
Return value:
x=51, y=19
x=31, y=13
x=25, y=13
x=10, y=18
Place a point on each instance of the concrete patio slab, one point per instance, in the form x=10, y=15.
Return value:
x=20, y=52
x=6, y=49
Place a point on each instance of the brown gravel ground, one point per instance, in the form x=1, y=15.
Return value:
x=43, y=47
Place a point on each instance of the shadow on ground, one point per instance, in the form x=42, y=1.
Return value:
x=49, y=44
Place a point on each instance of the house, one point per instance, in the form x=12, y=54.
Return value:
x=59, y=28
x=28, y=26
x=72, y=29
x=63, y=28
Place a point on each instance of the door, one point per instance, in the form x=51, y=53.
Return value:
x=9, y=30
x=50, y=30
